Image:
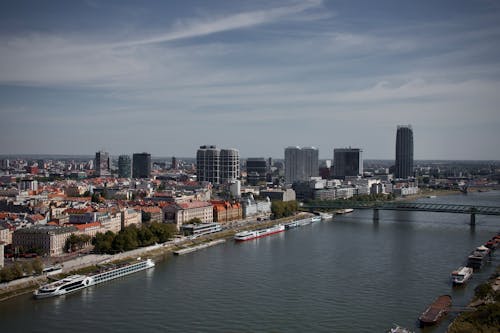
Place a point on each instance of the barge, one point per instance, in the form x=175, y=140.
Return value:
x=436, y=311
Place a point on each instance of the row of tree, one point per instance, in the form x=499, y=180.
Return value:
x=133, y=237
x=18, y=270
x=75, y=242
x=283, y=208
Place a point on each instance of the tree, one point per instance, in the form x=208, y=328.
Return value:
x=194, y=220
x=6, y=274
x=38, y=266
x=17, y=271
x=27, y=267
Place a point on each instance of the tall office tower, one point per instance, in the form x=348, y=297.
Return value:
x=229, y=164
x=102, y=163
x=347, y=162
x=124, y=166
x=256, y=170
x=207, y=164
x=404, y=152
x=301, y=163
x=141, y=165
x=174, y=165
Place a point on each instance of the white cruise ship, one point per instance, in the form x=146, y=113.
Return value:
x=248, y=235
x=76, y=282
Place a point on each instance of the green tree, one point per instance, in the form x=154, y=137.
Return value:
x=17, y=271
x=194, y=220
x=27, y=267
x=6, y=274
x=38, y=266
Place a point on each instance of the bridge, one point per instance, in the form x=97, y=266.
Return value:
x=406, y=206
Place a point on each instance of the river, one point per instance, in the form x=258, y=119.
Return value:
x=348, y=275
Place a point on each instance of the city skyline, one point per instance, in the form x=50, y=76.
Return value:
x=166, y=77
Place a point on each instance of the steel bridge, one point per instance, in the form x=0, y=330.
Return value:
x=407, y=206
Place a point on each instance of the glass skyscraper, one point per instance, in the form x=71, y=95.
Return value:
x=404, y=152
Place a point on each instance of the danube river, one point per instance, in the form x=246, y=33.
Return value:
x=348, y=275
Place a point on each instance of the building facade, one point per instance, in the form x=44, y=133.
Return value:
x=102, y=163
x=50, y=239
x=348, y=162
x=182, y=213
x=229, y=165
x=404, y=152
x=124, y=166
x=207, y=164
x=141, y=165
x=301, y=163
x=256, y=170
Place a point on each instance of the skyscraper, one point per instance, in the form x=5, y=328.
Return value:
x=229, y=165
x=256, y=170
x=404, y=152
x=102, y=163
x=207, y=164
x=141, y=165
x=348, y=162
x=301, y=163
x=124, y=166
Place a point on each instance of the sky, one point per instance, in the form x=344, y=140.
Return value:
x=165, y=77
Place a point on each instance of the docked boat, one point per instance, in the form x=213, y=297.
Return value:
x=493, y=243
x=316, y=219
x=461, y=275
x=345, y=211
x=253, y=234
x=436, y=311
x=291, y=225
x=326, y=216
x=478, y=257
x=76, y=282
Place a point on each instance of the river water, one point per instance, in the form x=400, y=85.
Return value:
x=348, y=275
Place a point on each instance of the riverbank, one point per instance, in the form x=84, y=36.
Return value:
x=157, y=252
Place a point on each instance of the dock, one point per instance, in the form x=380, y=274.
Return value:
x=198, y=247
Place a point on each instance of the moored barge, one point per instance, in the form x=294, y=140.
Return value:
x=436, y=311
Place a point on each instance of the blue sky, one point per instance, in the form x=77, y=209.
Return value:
x=167, y=76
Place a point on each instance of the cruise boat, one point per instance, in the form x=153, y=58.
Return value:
x=291, y=225
x=326, y=216
x=253, y=234
x=478, y=257
x=345, y=211
x=76, y=282
x=461, y=275
x=65, y=286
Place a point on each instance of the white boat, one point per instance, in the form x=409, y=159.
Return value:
x=399, y=329
x=248, y=235
x=316, y=219
x=76, y=282
x=326, y=216
x=345, y=211
x=461, y=275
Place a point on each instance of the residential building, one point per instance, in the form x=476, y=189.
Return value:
x=404, y=152
x=130, y=216
x=301, y=163
x=207, y=164
x=229, y=165
x=141, y=165
x=251, y=207
x=50, y=239
x=348, y=162
x=124, y=166
x=182, y=213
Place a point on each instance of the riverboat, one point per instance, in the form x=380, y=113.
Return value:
x=461, y=275
x=326, y=216
x=345, y=211
x=316, y=219
x=493, y=243
x=253, y=234
x=436, y=311
x=76, y=282
x=399, y=329
x=478, y=257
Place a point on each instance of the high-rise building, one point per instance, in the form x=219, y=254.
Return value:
x=229, y=165
x=207, y=164
x=301, y=163
x=348, y=162
x=102, y=163
x=256, y=170
x=404, y=152
x=174, y=165
x=141, y=165
x=124, y=166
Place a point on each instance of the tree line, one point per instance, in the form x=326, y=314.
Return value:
x=19, y=270
x=283, y=208
x=133, y=237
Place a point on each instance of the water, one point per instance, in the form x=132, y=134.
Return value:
x=349, y=275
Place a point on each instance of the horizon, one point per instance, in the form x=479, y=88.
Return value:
x=166, y=77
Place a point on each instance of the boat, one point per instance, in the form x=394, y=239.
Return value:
x=253, y=234
x=461, y=275
x=493, y=243
x=316, y=219
x=345, y=211
x=326, y=216
x=399, y=329
x=291, y=225
x=436, y=311
x=431, y=196
x=478, y=257
x=74, y=283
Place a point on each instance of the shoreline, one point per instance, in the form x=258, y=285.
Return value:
x=157, y=252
